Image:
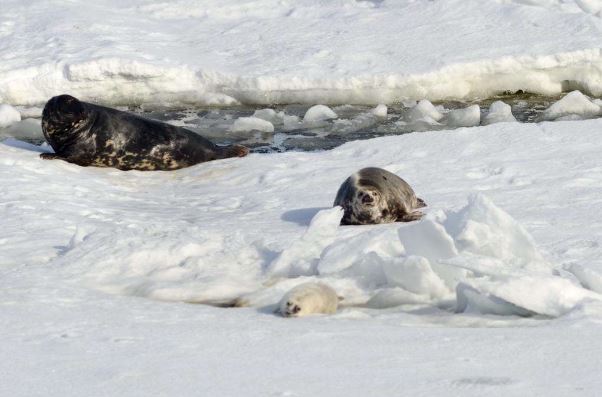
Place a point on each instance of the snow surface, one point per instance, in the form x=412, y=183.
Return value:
x=497, y=291
x=314, y=51
x=98, y=264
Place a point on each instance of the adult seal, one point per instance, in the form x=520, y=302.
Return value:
x=91, y=135
x=373, y=195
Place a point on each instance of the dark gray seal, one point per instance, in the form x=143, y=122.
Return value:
x=373, y=195
x=91, y=135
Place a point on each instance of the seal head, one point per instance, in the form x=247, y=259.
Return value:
x=374, y=195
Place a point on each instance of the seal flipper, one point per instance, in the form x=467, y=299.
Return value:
x=234, y=151
x=51, y=156
x=421, y=202
x=412, y=216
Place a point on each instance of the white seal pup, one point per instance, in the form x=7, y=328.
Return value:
x=373, y=195
x=309, y=298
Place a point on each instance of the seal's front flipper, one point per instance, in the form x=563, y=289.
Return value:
x=421, y=202
x=413, y=216
x=51, y=156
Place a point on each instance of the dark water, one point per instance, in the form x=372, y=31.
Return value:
x=354, y=122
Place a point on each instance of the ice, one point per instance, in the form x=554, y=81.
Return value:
x=573, y=104
x=26, y=129
x=302, y=256
x=424, y=110
x=414, y=274
x=318, y=114
x=589, y=278
x=244, y=124
x=97, y=265
x=482, y=228
x=8, y=115
x=467, y=117
x=380, y=111
x=499, y=112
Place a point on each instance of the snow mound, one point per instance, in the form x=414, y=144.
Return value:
x=499, y=112
x=574, y=104
x=8, y=115
x=247, y=124
x=317, y=114
x=477, y=259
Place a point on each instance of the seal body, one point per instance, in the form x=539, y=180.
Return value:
x=91, y=135
x=373, y=195
x=309, y=298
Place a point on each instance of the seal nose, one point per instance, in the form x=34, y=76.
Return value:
x=367, y=199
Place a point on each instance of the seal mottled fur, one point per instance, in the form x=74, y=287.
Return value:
x=373, y=195
x=91, y=135
x=309, y=298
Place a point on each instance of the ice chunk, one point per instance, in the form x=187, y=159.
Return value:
x=343, y=254
x=302, y=256
x=587, y=277
x=415, y=274
x=318, y=113
x=471, y=300
x=428, y=239
x=499, y=112
x=423, y=110
x=391, y=297
x=268, y=115
x=25, y=129
x=548, y=295
x=573, y=103
x=380, y=111
x=467, y=117
x=8, y=115
x=483, y=228
x=244, y=124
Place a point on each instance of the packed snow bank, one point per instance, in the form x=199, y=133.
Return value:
x=226, y=52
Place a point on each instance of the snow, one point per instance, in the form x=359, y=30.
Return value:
x=8, y=115
x=113, y=282
x=572, y=104
x=117, y=253
x=224, y=52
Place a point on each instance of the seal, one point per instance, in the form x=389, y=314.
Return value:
x=91, y=135
x=373, y=195
x=309, y=298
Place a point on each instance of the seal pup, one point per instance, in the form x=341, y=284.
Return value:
x=373, y=195
x=91, y=135
x=308, y=298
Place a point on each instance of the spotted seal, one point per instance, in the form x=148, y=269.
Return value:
x=91, y=135
x=373, y=195
x=309, y=298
